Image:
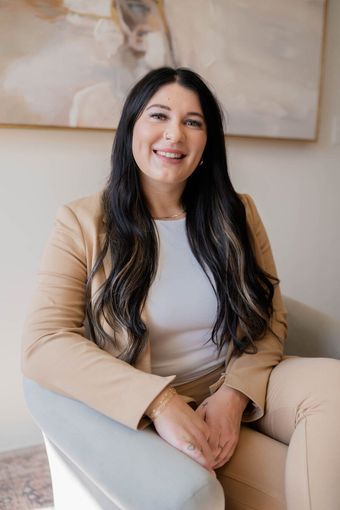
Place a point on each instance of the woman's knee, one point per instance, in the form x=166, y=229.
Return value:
x=306, y=376
x=298, y=388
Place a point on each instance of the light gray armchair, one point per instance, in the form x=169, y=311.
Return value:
x=98, y=464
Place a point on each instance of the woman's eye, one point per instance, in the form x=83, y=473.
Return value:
x=194, y=123
x=158, y=116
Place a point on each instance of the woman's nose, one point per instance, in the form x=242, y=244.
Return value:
x=174, y=133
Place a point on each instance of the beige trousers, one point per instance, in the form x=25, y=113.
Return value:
x=290, y=458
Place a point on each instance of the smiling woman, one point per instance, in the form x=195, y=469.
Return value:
x=172, y=271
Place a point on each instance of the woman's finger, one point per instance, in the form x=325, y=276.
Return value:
x=207, y=453
x=199, y=453
x=217, y=450
x=222, y=452
x=214, y=442
x=202, y=409
x=201, y=412
x=225, y=454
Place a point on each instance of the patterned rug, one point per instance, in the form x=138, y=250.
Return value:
x=25, y=481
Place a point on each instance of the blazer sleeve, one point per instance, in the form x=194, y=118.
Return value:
x=55, y=351
x=249, y=373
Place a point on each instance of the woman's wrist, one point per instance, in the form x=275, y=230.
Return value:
x=238, y=398
x=158, y=405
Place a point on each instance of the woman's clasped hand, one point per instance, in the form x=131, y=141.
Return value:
x=208, y=435
x=183, y=428
x=222, y=412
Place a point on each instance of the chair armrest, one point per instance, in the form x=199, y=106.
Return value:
x=134, y=469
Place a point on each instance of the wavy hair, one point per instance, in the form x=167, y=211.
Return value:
x=216, y=229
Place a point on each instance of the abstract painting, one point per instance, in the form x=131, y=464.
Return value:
x=70, y=63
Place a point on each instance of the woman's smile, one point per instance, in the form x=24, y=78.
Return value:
x=169, y=155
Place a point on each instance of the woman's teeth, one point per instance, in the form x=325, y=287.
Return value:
x=170, y=155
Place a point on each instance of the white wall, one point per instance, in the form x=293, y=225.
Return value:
x=295, y=185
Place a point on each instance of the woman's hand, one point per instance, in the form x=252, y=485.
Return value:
x=183, y=428
x=222, y=412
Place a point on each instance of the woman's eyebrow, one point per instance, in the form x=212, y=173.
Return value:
x=196, y=113
x=159, y=106
x=164, y=107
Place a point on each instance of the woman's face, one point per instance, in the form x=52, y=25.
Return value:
x=170, y=135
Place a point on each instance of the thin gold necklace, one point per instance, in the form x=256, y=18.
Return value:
x=169, y=217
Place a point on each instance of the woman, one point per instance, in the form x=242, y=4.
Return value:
x=173, y=273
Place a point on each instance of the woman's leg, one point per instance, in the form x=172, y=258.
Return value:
x=254, y=477
x=303, y=410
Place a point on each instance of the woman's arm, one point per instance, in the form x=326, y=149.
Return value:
x=55, y=352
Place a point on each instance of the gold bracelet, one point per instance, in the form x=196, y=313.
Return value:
x=161, y=405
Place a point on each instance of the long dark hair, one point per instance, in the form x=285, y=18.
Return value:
x=216, y=228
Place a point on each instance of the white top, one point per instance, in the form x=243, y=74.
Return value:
x=181, y=310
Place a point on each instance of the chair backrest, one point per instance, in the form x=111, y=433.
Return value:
x=311, y=332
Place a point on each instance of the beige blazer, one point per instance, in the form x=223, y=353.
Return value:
x=57, y=355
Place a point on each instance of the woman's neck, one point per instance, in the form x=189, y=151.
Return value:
x=164, y=201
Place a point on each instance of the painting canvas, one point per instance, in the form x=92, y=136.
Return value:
x=70, y=63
